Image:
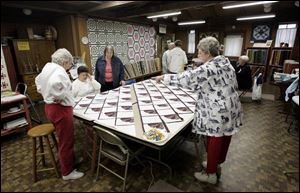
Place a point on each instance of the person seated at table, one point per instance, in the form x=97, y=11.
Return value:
x=218, y=109
x=243, y=73
x=85, y=84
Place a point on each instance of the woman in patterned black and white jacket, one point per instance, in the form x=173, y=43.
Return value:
x=218, y=109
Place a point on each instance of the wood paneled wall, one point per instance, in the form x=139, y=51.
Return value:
x=242, y=28
x=81, y=31
x=63, y=26
x=70, y=31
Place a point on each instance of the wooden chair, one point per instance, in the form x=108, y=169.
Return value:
x=40, y=132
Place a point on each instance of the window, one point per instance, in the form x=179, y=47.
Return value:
x=191, y=45
x=286, y=33
x=233, y=45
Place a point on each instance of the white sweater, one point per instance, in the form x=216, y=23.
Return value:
x=81, y=89
x=54, y=84
x=177, y=59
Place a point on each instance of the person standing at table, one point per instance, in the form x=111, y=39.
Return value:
x=177, y=59
x=165, y=61
x=85, y=84
x=55, y=86
x=109, y=70
x=218, y=109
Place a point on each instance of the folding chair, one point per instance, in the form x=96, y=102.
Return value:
x=113, y=148
x=295, y=101
x=22, y=89
x=295, y=110
x=291, y=91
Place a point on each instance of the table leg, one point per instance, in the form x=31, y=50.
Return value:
x=94, y=153
x=160, y=162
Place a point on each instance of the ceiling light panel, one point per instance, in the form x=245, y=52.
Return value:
x=164, y=15
x=248, y=4
x=256, y=17
x=191, y=22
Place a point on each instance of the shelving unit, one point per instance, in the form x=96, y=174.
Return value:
x=279, y=55
x=31, y=56
x=276, y=63
x=142, y=70
x=144, y=77
x=13, y=101
x=259, y=57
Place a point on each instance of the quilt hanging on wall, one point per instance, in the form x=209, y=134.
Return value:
x=132, y=43
x=5, y=83
x=141, y=43
x=102, y=33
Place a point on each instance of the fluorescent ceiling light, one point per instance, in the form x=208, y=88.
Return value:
x=256, y=17
x=164, y=15
x=191, y=22
x=248, y=4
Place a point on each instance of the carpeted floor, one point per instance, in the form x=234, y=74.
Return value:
x=257, y=157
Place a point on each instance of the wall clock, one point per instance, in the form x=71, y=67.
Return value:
x=85, y=40
x=261, y=33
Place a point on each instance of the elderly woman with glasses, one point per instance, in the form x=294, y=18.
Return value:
x=109, y=70
x=218, y=109
x=55, y=86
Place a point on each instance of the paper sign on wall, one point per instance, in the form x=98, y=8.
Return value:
x=5, y=82
x=23, y=46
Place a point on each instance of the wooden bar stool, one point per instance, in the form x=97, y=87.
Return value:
x=43, y=131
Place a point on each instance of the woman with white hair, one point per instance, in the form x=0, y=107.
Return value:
x=243, y=73
x=55, y=86
x=218, y=109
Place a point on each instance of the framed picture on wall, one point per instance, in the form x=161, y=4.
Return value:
x=162, y=29
x=214, y=34
x=261, y=32
x=206, y=34
x=202, y=35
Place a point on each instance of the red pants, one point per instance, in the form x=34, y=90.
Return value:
x=62, y=119
x=216, y=148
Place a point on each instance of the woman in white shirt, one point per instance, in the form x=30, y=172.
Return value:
x=84, y=84
x=55, y=86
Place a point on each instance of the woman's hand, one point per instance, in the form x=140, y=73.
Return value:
x=122, y=83
x=159, y=78
x=58, y=101
x=89, y=76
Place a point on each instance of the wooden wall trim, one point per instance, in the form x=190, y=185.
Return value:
x=83, y=49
